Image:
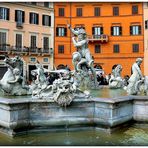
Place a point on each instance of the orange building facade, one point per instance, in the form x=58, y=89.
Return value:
x=115, y=32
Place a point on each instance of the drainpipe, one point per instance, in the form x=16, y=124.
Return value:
x=70, y=23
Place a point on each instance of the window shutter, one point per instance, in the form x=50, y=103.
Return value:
x=49, y=20
x=37, y=18
x=120, y=30
x=111, y=30
x=146, y=24
x=7, y=14
x=139, y=29
x=57, y=31
x=101, y=30
x=30, y=17
x=16, y=15
x=43, y=19
x=23, y=16
x=93, y=30
x=131, y=32
x=65, y=31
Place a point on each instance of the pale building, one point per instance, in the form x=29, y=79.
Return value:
x=145, y=6
x=27, y=29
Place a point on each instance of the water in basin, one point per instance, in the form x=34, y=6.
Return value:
x=133, y=135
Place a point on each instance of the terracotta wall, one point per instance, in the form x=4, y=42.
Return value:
x=106, y=58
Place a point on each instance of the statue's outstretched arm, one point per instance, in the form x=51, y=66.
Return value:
x=78, y=44
x=72, y=30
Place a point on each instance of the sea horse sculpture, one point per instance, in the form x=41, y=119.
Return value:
x=13, y=82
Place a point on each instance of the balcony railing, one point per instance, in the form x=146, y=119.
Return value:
x=99, y=38
x=24, y=50
x=19, y=25
x=4, y=47
x=46, y=50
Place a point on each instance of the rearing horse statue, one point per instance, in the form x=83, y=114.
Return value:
x=13, y=82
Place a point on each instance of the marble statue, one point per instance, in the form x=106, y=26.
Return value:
x=116, y=80
x=13, y=82
x=40, y=83
x=136, y=79
x=82, y=58
x=63, y=90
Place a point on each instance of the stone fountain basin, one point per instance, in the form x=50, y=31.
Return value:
x=17, y=115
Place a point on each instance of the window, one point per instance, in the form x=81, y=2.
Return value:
x=135, y=47
x=4, y=13
x=79, y=11
x=46, y=4
x=61, y=31
x=46, y=42
x=61, y=49
x=135, y=30
x=116, y=30
x=46, y=20
x=97, y=31
x=34, y=18
x=97, y=11
x=18, y=41
x=135, y=9
x=61, y=11
x=97, y=49
x=3, y=40
x=19, y=16
x=45, y=60
x=34, y=3
x=115, y=11
x=116, y=48
x=146, y=24
x=33, y=42
x=32, y=59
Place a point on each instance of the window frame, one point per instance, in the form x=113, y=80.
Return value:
x=115, y=49
x=61, y=31
x=97, y=11
x=37, y=20
x=43, y=20
x=115, y=11
x=7, y=13
x=135, y=48
x=79, y=12
x=61, y=51
x=19, y=33
x=134, y=12
x=134, y=31
x=61, y=12
x=48, y=42
x=116, y=30
x=22, y=16
x=97, y=50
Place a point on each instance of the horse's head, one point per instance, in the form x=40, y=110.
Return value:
x=14, y=62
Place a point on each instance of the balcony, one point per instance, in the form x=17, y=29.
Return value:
x=19, y=25
x=4, y=48
x=45, y=51
x=98, y=38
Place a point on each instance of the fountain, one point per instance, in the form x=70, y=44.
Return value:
x=43, y=107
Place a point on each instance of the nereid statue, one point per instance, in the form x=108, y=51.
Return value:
x=116, y=81
x=13, y=82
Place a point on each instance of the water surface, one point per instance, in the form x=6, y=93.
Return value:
x=126, y=136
